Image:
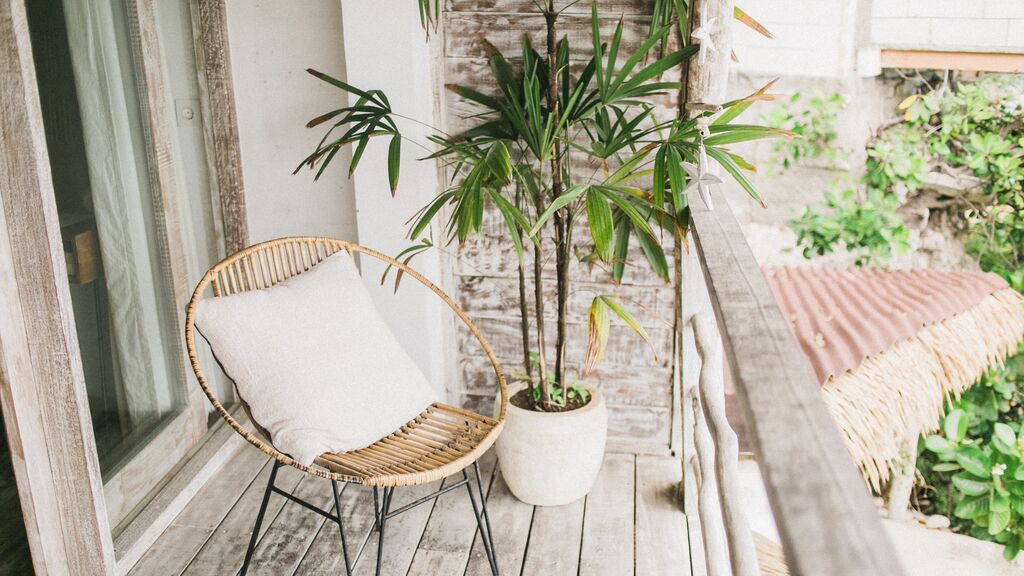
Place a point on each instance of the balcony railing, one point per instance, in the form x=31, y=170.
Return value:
x=822, y=508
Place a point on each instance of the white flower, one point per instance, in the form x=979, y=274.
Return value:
x=998, y=469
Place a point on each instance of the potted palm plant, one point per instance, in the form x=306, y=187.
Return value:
x=579, y=166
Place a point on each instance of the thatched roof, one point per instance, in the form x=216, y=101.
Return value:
x=889, y=347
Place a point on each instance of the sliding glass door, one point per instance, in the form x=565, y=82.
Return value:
x=110, y=145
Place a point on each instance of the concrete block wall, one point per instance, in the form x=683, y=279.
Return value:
x=954, y=25
x=812, y=38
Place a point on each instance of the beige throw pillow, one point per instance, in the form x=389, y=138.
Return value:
x=318, y=367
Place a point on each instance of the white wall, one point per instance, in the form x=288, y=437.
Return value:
x=272, y=42
x=978, y=25
x=376, y=45
x=812, y=38
x=385, y=49
x=819, y=38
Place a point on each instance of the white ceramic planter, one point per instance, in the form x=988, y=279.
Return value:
x=553, y=458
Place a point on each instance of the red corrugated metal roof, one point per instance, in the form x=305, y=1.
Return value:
x=840, y=316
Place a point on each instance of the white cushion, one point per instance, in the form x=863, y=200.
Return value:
x=314, y=361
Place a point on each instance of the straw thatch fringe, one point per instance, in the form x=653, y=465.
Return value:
x=770, y=558
x=902, y=389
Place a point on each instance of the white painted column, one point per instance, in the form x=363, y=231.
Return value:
x=386, y=49
x=272, y=42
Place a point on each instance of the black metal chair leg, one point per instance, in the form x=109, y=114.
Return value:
x=259, y=519
x=487, y=518
x=385, y=504
x=485, y=536
x=341, y=527
x=376, y=510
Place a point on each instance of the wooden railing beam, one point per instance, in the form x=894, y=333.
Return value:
x=824, y=513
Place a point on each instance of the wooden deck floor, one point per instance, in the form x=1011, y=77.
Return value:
x=629, y=524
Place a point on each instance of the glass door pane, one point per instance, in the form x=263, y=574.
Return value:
x=112, y=227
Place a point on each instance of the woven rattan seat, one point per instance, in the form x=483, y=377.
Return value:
x=436, y=443
x=441, y=441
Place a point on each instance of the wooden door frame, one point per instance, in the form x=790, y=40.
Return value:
x=220, y=118
x=42, y=384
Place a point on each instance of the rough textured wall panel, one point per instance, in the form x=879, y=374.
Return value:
x=634, y=376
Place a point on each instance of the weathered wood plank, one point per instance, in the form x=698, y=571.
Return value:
x=42, y=386
x=467, y=30
x=177, y=545
x=221, y=447
x=624, y=347
x=224, y=552
x=528, y=7
x=180, y=542
x=220, y=128
x=451, y=530
x=489, y=297
x=813, y=485
x=639, y=386
x=401, y=533
x=324, y=556
x=216, y=498
x=293, y=530
x=489, y=254
x=609, y=519
x=661, y=530
x=555, y=538
x=511, y=521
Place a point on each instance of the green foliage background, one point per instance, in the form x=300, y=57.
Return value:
x=973, y=470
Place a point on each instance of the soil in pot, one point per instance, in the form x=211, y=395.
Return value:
x=524, y=399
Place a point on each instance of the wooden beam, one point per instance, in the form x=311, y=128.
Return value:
x=42, y=386
x=821, y=504
x=220, y=118
x=706, y=81
x=964, y=61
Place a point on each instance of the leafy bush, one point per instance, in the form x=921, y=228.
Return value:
x=974, y=469
x=866, y=226
x=976, y=129
x=813, y=121
x=979, y=128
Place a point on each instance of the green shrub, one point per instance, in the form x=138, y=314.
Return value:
x=973, y=470
x=813, y=121
x=866, y=225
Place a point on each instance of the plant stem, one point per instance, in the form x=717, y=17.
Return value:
x=562, y=216
x=538, y=296
x=524, y=314
x=682, y=30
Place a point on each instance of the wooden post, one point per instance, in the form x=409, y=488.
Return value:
x=706, y=81
x=220, y=125
x=740, y=540
x=901, y=485
x=42, y=386
x=703, y=87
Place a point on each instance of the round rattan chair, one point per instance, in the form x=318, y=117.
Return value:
x=442, y=441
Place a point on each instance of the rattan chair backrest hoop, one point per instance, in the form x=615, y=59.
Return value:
x=267, y=263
